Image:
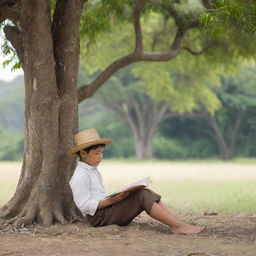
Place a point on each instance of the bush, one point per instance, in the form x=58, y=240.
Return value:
x=164, y=148
x=11, y=147
x=201, y=148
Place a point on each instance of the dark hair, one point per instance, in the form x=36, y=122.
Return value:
x=91, y=148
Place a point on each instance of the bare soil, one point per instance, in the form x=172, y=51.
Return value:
x=225, y=235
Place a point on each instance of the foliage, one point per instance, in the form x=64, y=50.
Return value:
x=246, y=140
x=234, y=19
x=168, y=148
x=101, y=16
x=93, y=114
x=237, y=95
x=189, y=135
x=181, y=83
x=8, y=51
x=12, y=105
x=11, y=147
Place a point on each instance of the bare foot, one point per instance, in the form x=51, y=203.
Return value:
x=187, y=229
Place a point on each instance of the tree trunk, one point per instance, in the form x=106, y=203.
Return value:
x=50, y=66
x=143, y=149
x=226, y=145
x=144, y=125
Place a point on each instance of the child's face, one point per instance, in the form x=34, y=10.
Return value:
x=94, y=156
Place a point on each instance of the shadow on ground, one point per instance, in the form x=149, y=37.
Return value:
x=225, y=235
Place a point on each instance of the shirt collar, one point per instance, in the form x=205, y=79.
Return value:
x=85, y=165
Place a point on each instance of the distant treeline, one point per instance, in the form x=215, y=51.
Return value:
x=229, y=133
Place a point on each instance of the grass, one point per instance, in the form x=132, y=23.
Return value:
x=189, y=187
x=194, y=160
x=209, y=196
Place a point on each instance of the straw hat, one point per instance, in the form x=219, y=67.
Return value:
x=86, y=139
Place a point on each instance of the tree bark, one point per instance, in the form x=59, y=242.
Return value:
x=50, y=60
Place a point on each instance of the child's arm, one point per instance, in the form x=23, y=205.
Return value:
x=112, y=200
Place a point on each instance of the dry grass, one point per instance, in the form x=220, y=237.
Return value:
x=187, y=186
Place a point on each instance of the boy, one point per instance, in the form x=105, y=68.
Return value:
x=89, y=193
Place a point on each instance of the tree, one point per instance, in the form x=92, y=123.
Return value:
x=231, y=127
x=237, y=95
x=48, y=50
x=234, y=19
x=45, y=36
x=178, y=85
x=126, y=98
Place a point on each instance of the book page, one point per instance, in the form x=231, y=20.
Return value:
x=131, y=187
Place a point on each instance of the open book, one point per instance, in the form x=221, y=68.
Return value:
x=132, y=187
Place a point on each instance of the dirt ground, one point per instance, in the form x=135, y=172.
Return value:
x=225, y=235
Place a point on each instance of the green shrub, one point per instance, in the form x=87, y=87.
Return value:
x=164, y=148
x=11, y=146
x=201, y=148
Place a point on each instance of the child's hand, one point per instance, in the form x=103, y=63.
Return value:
x=112, y=200
x=119, y=197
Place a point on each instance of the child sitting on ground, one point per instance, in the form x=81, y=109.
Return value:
x=89, y=193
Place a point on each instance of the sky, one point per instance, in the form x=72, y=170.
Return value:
x=5, y=73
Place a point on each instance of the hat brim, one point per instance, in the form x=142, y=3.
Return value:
x=77, y=148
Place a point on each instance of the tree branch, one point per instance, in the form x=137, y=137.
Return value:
x=13, y=34
x=8, y=12
x=188, y=115
x=115, y=108
x=199, y=52
x=86, y=91
x=208, y=4
x=162, y=112
x=137, y=27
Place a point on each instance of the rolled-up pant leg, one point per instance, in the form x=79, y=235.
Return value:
x=123, y=212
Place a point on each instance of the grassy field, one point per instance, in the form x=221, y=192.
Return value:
x=195, y=186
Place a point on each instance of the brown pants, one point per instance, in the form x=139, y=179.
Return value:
x=123, y=212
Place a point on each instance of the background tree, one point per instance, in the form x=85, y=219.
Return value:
x=179, y=85
x=127, y=99
x=237, y=95
x=232, y=19
x=227, y=132
x=127, y=96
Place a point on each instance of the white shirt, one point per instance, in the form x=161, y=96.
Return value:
x=87, y=188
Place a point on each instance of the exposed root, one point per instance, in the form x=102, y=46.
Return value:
x=12, y=220
x=23, y=222
x=73, y=215
x=59, y=215
x=17, y=202
x=2, y=222
x=31, y=214
x=3, y=209
x=44, y=206
x=7, y=213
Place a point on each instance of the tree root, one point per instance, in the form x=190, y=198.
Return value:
x=42, y=204
x=33, y=214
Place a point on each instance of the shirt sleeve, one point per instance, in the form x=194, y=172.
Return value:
x=80, y=187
